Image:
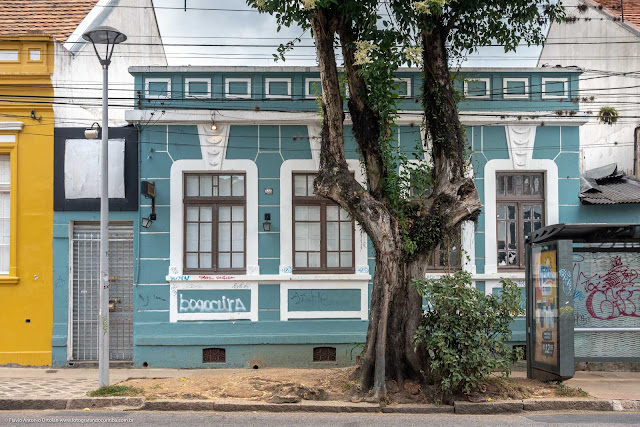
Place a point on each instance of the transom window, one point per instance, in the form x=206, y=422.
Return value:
x=215, y=222
x=323, y=232
x=520, y=211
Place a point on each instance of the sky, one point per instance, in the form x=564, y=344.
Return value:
x=250, y=38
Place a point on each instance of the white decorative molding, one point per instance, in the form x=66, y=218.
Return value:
x=565, y=86
x=166, y=80
x=406, y=117
x=552, y=214
x=307, y=93
x=468, y=237
x=187, y=92
x=11, y=125
x=487, y=90
x=362, y=314
x=176, y=235
x=507, y=95
x=246, y=80
x=267, y=86
x=286, y=211
x=315, y=139
x=520, y=140
x=213, y=144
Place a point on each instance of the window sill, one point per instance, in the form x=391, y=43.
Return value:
x=9, y=280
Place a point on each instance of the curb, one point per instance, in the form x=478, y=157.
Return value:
x=460, y=407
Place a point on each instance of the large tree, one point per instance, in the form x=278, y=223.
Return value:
x=375, y=37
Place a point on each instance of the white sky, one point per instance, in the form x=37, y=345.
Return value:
x=248, y=27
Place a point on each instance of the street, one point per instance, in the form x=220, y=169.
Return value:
x=245, y=419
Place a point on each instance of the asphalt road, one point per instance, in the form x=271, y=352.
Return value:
x=251, y=419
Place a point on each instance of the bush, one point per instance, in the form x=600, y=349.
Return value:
x=464, y=332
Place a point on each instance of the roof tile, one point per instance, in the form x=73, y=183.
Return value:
x=631, y=10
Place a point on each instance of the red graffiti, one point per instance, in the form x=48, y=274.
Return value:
x=612, y=294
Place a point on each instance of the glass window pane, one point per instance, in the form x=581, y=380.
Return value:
x=527, y=228
x=332, y=237
x=536, y=225
x=238, y=237
x=502, y=212
x=502, y=258
x=205, y=237
x=206, y=213
x=526, y=212
x=302, y=236
x=314, y=259
x=205, y=260
x=526, y=189
x=519, y=185
x=224, y=260
x=224, y=213
x=237, y=260
x=192, y=213
x=314, y=237
x=537, y=211
x=512, y=236
x=301, y=259
x=345, y=259
x=333, y=259
x=537, y=187
x=237, y=185
x=300, y=185
x=302, y=213
x=238, y=213
x=511, y=211
x=510, y=184
x=192, y=185
x=500, y=185
x=191, y=238
x=310, y=179
x=314, y=213
x=192, y=260
x=224, y=185
x=224, y=237
x=332, y=213
x=513, y=258
x=205, y=185
x=344, y=215
x=345, y=235
x=502, y=235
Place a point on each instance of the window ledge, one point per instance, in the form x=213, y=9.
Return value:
x=9, y=280
x=267, y=278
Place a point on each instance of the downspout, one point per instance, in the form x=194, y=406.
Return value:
x=636, y=152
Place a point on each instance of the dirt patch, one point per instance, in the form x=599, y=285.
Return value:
x=279, y=385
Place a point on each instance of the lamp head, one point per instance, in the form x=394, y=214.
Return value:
x=107, y=36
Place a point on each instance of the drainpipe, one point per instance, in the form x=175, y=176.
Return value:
x=636, y=152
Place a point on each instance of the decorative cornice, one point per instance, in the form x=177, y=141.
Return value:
x=11, y=126
x=213, y=144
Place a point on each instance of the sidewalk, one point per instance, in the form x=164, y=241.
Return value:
x=608, y=390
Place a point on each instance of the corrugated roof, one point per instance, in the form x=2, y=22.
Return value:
x=606, y=186
x=631, y=10
x=58, y=18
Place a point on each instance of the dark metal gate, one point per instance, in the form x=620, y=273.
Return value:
x=84, y=275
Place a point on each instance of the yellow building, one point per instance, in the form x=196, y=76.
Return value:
x=26, y=198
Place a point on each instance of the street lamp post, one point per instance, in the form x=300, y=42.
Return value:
x=108, y=37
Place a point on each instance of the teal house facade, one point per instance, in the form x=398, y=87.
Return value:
x=237, y=264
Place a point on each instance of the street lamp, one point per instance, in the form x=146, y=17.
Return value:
x=109, y=37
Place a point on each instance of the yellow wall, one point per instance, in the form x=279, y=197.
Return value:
x=26, y=292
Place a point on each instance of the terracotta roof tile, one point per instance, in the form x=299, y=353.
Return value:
x=631, y=10
x=58, y=18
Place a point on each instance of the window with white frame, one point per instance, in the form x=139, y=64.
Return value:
x=215, y=222
x=197, y=88
x=5, y=213
x=323, y=232
x=157, y=88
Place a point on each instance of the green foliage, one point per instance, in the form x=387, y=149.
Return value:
x=465, y=332
x=608, y=115
x=116, y=390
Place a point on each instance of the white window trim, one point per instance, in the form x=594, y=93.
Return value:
x=487, y=82
x=524, y=80
x=286, y=220
x=176, y=240
x=550, y=170
x=565, y=82
x=166, y=80
x=408, y=81
x=246, y=80
x=307, y=94
x=175, y=316
x=269, y=80
x=187, y=94
x=362, y=314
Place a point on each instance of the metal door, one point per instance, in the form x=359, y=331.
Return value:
x=84, y=289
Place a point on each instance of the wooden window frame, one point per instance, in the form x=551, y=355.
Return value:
x=214, y=202
x=434, y=264
x=519, y=201
x=322, y=203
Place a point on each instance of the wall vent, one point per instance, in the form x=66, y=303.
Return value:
x=324, y=354
x=214, y=355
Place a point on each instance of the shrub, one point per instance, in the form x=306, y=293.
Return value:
x=464, y=332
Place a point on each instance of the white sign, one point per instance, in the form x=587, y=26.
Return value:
x=82, y=166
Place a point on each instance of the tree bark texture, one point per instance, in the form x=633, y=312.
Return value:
x=396, y=307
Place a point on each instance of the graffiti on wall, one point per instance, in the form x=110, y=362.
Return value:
x=607, y=289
